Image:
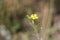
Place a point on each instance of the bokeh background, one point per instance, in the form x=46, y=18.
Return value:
x=29, y=19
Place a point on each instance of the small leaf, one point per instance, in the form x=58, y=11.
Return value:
x=15, y=27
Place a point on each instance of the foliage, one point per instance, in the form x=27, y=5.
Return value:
x=15, y=27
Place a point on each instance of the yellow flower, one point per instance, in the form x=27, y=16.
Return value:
x=32, y=17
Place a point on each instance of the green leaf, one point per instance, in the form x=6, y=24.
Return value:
x=6, y=21
x=15, y=27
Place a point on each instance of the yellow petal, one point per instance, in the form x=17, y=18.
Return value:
x=35, y=15
x=32, y=16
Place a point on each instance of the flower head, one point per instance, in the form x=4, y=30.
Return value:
x=32, y=17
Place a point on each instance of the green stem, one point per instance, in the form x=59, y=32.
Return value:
x=32, y=21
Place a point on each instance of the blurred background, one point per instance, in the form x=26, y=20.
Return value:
x=29, y=19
